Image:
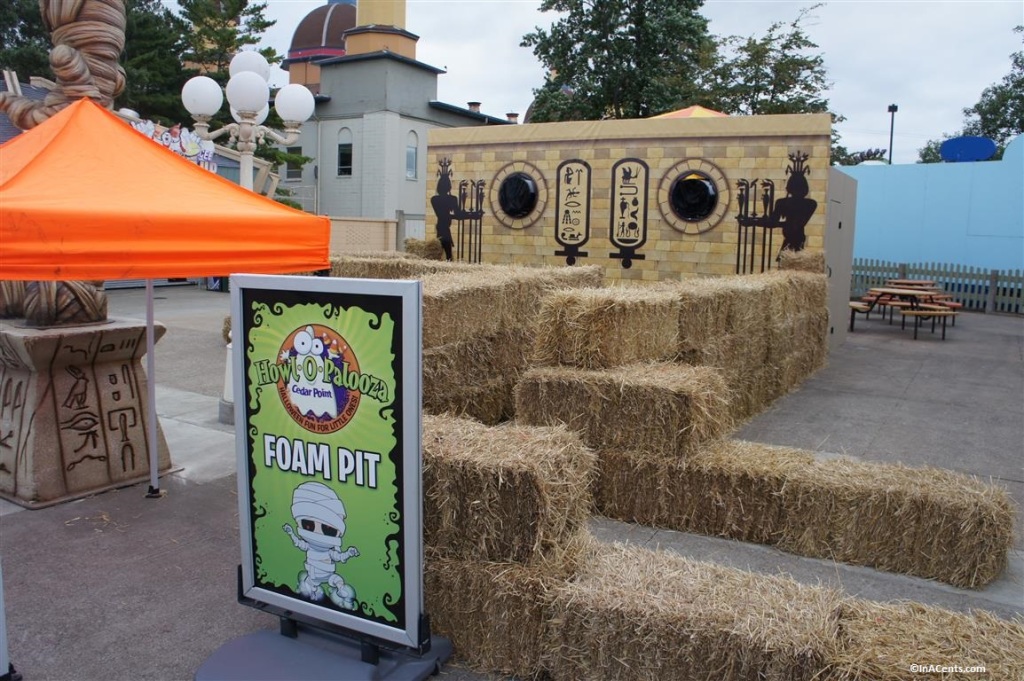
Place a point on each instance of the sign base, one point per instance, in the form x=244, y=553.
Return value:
x=314, y=654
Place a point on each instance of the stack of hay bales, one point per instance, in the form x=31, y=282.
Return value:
x=658, y=427
x=634, y=614
x=765, y=333
x=504, y=516
x=478, y=324
x=513, y=579
x=926, y=522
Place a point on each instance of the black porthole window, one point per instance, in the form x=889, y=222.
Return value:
x=518, y=195
x=693, y=196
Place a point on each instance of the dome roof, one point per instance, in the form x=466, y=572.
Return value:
x=319, y=34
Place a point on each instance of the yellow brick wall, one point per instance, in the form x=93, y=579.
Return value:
x=740, y=148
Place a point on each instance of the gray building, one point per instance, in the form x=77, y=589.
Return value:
x=375, y=105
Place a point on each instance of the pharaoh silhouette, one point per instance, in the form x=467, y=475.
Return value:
x=793, y=211
x=446, y=208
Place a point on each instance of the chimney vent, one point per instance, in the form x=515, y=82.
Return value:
x=512, y=117
x=474, y=107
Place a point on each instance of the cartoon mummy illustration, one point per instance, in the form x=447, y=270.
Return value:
x=311, y=396
x=320, y=516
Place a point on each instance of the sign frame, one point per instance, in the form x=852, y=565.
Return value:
x=401, y=302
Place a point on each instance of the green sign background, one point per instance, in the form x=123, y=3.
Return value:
x=373, y=522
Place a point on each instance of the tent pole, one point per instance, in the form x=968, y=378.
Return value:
x=154, y=478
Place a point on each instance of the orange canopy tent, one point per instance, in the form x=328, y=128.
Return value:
x=85, y=196
x=694, y=111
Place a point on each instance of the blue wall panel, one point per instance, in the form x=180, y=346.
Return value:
x=959, y=213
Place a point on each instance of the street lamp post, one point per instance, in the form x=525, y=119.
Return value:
x=892, y=123
x=248, y=94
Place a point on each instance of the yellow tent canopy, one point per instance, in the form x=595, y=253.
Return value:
x=694, y=111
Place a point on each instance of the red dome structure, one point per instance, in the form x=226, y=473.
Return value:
x=320, y=35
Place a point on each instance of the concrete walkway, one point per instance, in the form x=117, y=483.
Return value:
x=117, y=586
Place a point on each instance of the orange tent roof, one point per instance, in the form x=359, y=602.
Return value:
x=84, y=196
x=692, y=112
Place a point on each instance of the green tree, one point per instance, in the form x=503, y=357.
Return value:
x=617, y=58
x=218, y=30
x=154, y=39
x=998, y=115
x=778, y=73
x=24, y=40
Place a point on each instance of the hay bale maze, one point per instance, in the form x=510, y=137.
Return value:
x=926, y=522
x=659, y=429
x=514, y=580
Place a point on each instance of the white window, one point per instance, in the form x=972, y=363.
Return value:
x=344, y=152
x=412, y=155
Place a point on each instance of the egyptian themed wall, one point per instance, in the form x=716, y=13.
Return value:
x=648, y=199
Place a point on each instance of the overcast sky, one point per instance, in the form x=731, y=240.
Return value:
x=932, y=58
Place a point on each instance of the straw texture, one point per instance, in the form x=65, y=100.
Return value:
x=921, y=521
x=636, y=614
x=503, y=494
x=668, y=409
x=598, y=328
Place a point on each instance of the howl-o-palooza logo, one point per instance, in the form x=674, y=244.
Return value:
x=318, y=379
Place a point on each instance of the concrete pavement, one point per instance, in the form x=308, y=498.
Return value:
x=117, y=586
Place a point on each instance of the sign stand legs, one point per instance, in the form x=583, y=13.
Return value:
x=318, y=654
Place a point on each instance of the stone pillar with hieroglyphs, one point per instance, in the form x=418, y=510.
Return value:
x=73, y=410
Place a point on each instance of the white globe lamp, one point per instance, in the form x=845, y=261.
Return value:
x=294, y=103
x=253, y=62
x=202, y=96
x=248, y=92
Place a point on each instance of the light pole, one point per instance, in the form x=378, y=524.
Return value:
x=248, y=94
x=892, y=123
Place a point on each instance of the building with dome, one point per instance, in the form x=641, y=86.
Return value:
x=375, y=103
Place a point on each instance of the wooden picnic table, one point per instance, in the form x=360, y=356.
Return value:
x=920, y=304
x=910, y=283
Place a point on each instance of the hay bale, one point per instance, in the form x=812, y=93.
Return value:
x=493, y=613
x=475, y=378
x=803, y=261
x=926, y=522
x=489, y=402
x=504, y=494
x=430, y=249
x=636, y=614
x=599, y=328
x=882, y=640
x=473, y=303
x=628, y=487
x=391, y=266
x=670, y=409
